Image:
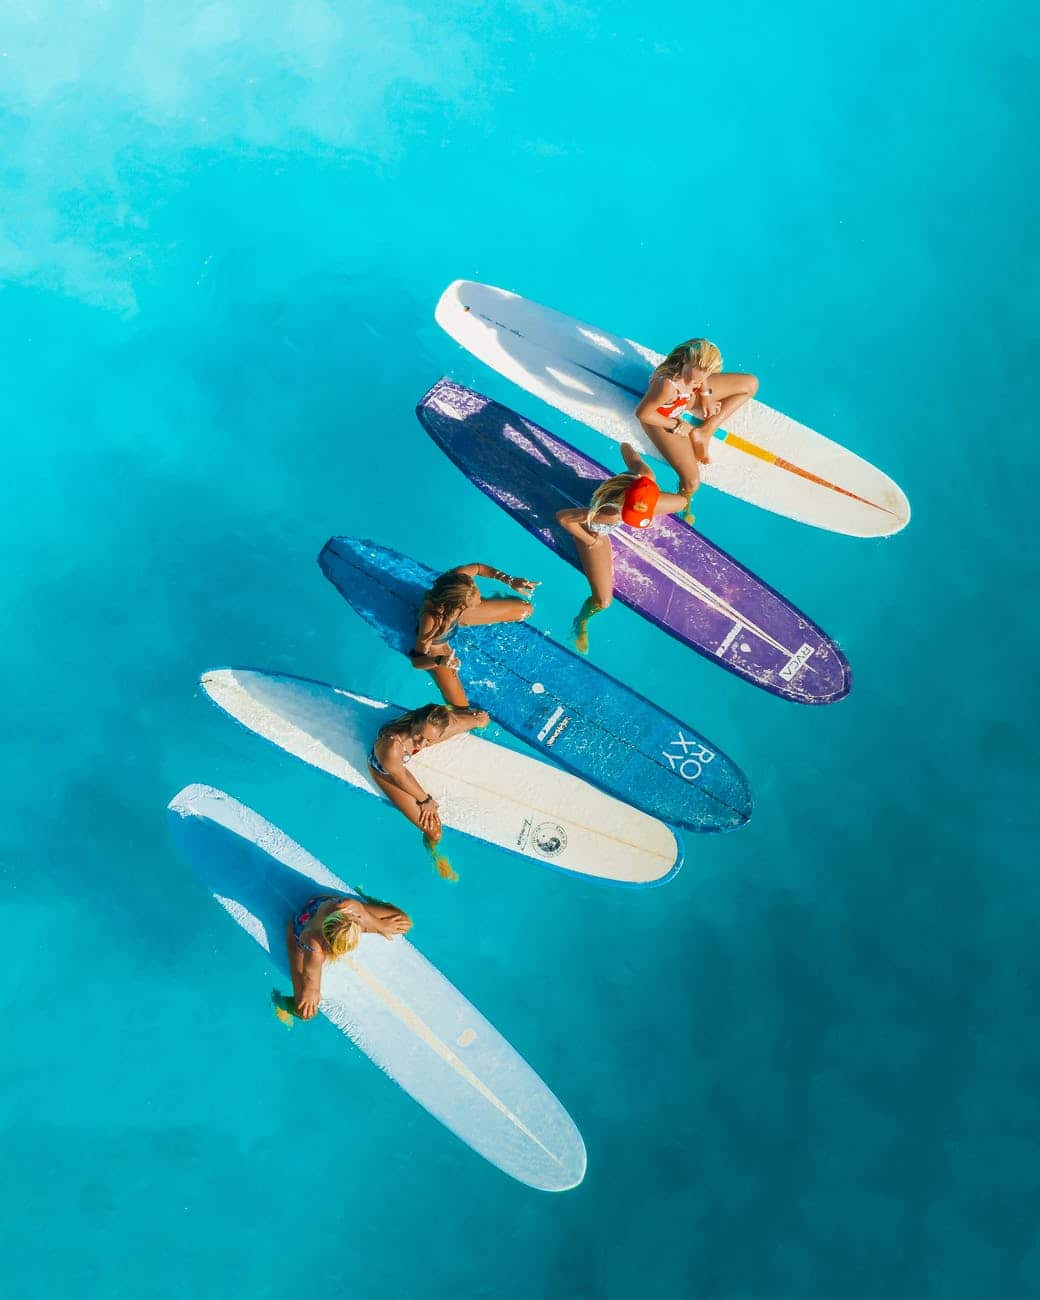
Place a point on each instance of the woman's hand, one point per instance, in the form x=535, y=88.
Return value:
x=526, y=585
x=391, y=926
x=453, y=663
x=429, y=817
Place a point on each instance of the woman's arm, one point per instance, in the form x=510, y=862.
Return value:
x=305, y=969
x=497, y=575
x=573, y=520
x=385, y=919
x=388, y=751
x=374, y=917
x=424, y=656
x=464, y=720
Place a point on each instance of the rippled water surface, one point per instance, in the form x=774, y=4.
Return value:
x=806, y=1067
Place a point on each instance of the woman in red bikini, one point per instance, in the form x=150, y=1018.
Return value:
x=689, y=382
x=631, y=500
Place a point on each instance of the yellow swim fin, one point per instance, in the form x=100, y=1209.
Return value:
x=284, y=1008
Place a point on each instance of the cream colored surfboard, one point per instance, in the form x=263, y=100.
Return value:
x=483, y=789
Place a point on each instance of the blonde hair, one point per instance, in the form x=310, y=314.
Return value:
x=700, y=353
x=447, y=598
x=412, y=722
x=610, y=494
x=341, y=932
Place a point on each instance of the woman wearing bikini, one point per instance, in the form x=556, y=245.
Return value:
x=455, y=601
x=689, y=383
x=327, y=928
x=401, y=740
x=630, y=500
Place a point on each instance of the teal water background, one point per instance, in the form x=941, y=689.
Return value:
x=807, y=1067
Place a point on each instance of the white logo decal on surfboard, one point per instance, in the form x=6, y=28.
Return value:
x=557, y=720
x=690, y=760
x=796, y=662
x=553, y=718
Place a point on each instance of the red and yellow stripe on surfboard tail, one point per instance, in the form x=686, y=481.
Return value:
x=753, y=449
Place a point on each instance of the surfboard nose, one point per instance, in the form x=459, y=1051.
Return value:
x=840, y=678
x=743, y=801
x=573, y=1162
x=830, y=679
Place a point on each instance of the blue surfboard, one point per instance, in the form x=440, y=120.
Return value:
x=553, y=699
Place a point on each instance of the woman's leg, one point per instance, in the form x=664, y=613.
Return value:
x=406, y=804
x=731, y=392
x=496, y=609
x=678, y=450
x=597, y=561
x=450, y=687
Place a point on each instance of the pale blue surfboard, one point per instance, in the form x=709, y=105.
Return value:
x=386, y=997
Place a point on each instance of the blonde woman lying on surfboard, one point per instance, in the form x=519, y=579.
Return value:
x=327, y=928
x=689, y=383
x=455, y=601
x=631, y=500
x=402, y=739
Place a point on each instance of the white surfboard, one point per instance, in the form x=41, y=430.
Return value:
x=386, y=997
x=598, y=378
x=483, y=789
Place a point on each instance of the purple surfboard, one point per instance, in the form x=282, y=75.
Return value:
x=669, y=573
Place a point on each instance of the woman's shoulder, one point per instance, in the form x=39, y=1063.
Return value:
x=660, y=383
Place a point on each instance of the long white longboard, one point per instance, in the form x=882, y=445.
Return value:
x=487, y=791
x=598, y=378
x=386, y=997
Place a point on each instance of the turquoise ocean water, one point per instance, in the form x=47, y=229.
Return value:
x=807, y=1067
